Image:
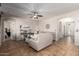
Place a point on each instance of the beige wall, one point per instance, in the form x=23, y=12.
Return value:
x=53, y=21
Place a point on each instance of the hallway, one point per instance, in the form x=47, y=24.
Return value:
x=63, y=47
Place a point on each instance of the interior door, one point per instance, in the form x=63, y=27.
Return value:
x=70, y=29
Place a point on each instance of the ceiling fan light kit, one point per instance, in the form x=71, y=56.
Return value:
x=35, y=17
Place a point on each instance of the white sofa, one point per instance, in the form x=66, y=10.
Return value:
x=40, y=40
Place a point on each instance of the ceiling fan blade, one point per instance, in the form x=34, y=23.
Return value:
x=40, y=15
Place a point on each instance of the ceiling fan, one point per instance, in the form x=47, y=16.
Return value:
x=35, y=14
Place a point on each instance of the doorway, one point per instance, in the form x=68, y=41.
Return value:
x=7, y=30
x=66, y=28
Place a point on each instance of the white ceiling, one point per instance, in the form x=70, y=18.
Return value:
x=46, y=9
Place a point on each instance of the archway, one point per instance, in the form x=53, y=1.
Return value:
x=66, y=28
